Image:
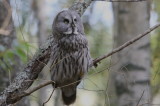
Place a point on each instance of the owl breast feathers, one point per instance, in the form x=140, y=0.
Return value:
x=70, y=56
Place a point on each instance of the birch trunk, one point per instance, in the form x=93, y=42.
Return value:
x=131, y=67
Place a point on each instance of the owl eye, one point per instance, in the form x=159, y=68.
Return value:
x=66, y=21
x=75, y=20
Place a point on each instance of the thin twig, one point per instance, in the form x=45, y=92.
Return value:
x=36, y=88
x=128, y=43
x=49, y=97
x=140, y=98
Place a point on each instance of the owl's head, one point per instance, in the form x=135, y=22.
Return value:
x=67, y=22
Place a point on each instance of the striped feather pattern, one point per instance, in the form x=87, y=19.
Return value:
x=71, y=59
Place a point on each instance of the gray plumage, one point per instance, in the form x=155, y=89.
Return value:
x=70, y=56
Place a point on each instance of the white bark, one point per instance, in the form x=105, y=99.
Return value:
x=131, y=73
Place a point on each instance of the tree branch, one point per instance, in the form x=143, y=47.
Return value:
x=25, y=79
x=80, y=6
x=97, y=60
x=26, y=93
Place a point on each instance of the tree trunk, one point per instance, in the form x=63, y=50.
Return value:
x=131, y=67
x=8, y=68
x=39, y=12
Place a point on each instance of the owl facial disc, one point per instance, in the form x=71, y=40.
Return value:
x=67, y=22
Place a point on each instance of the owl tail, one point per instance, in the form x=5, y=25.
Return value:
x=68, y=95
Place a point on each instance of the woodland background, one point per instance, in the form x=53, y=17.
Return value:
x=128, y=78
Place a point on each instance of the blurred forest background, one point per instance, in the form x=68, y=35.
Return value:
x=128, y=78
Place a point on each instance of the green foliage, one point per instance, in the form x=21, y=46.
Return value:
x=10, y=56
x=22, y=51
x=155, y=44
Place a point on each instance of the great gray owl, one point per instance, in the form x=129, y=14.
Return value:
x=70, y=58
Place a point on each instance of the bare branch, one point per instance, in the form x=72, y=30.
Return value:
x=80, y=6
x=23, y=94
x=97, y=60
x=49, y=97
x=140, y=98
x=34, y=89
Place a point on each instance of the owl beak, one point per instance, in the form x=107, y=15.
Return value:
x=74, y=29
x=73, y=25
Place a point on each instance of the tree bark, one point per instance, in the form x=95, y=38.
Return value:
x=131, y=67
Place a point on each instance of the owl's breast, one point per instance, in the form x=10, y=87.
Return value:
x=72, y=43
x=70, y=66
